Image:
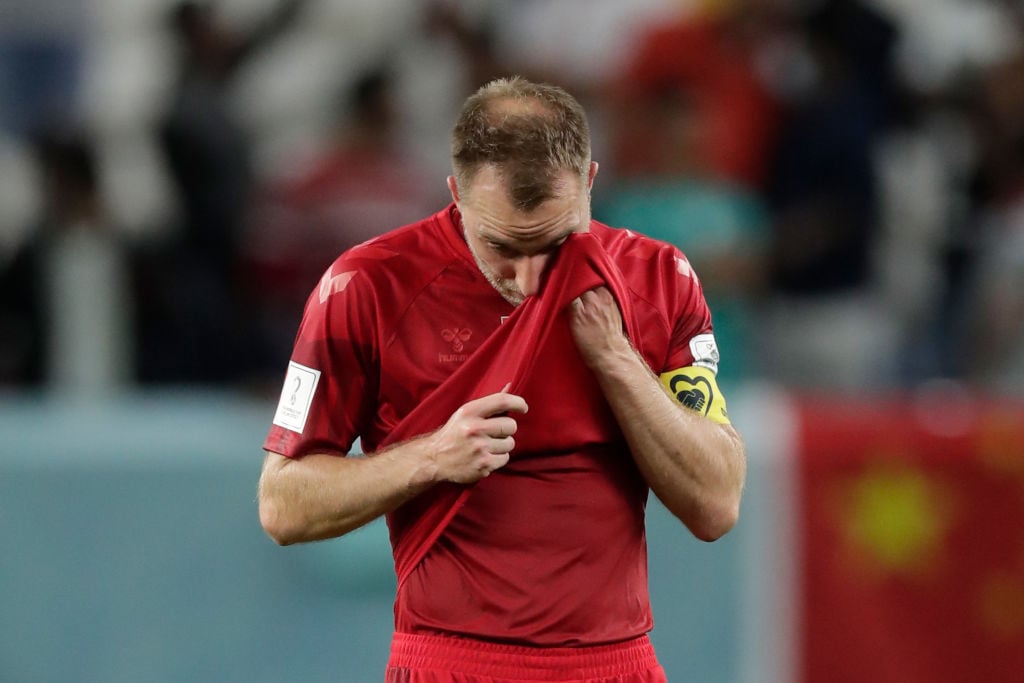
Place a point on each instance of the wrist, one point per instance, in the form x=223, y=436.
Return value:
x=425, y=471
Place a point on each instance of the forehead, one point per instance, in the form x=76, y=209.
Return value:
x=490, y=212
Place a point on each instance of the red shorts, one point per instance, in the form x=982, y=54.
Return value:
x=438, y=659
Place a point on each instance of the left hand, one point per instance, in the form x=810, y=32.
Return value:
x=596, y=325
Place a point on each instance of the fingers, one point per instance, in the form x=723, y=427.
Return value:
x=500, y=427
x=495, y=404
x=594, y=304
x=597, y=325
x=478, y=438
x=496, y=430
x=497, y=460
x=503, y=448
x=592, y=298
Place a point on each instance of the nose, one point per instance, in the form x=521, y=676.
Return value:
x=528, y=273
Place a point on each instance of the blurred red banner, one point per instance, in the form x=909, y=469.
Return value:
x=912, y=541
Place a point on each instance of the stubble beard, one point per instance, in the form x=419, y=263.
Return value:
x=506, y=287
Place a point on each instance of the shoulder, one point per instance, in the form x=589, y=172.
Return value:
x=659, y=277
x=627, y=242
x=393, y=262
x=645, y=261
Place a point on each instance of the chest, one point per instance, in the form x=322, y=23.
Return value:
x=440, y=328
x=445, y=323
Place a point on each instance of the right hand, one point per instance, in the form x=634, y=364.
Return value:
x=477, y=438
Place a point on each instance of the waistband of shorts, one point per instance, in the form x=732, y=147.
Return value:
x=500, y=660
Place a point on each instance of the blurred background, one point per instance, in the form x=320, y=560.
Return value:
x=845, y=176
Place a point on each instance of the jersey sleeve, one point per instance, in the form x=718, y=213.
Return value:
x=692, y=336
x=330, y=379
x=692, y=361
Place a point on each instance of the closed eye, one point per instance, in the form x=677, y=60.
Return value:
x=502, y=249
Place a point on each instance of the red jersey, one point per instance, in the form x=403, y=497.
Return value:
x=550, y=549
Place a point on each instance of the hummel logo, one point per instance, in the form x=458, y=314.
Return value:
x=456, y=336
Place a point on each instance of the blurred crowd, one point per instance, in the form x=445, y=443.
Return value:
x=845, y=176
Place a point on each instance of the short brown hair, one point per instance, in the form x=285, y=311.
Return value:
x=531, y=131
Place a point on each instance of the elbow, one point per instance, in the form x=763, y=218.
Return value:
x=721, y=510
x=276, y=524
x=278, y=514
x=716, y=521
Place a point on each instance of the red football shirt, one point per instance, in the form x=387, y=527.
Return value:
x=549, y=550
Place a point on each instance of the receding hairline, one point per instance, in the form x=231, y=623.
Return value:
x=562, y=181
x=523, y=129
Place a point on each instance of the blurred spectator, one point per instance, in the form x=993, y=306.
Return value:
x=826, y=327
x=927, y=236
x=448, y=54
x=41, y=45
x=822, y=184
x=721, y=227
x=194, y=323
x=578, y=42
x=992, y=345
x=41, y=65
x=580, y=45
x=693, y=123
x=711, y=60
x=757, y=135
x=206, y=148
x=471, y=35
x=64, y=303
x=938, y=171
x=993, y=348
x=362, y=184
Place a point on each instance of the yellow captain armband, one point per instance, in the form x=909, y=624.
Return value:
x=697, y=389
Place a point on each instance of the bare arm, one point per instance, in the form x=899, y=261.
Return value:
x=695, y=466
x=322, y=496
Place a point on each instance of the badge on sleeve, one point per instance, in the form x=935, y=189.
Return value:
x=696, y=388
x=296, y=397
x=705, y=351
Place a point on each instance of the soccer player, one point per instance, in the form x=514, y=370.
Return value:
x=521, y=377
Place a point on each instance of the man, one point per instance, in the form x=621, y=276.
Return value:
x=500, y=362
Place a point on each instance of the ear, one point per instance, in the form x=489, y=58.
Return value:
x=454, y=189
x=591, y=175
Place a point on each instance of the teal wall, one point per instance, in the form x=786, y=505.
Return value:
x=132, y=552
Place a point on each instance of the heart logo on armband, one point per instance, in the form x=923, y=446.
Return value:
x=696, y=393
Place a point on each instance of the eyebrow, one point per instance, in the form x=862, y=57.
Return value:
x=512, y=245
